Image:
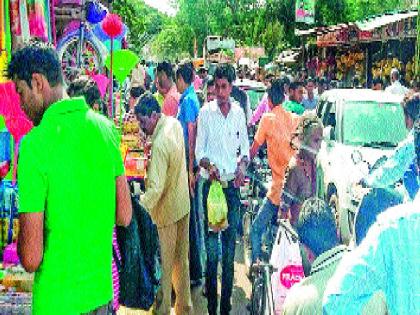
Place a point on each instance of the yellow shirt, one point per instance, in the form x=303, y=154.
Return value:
x=167, y=196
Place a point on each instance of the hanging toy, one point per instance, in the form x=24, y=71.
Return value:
x=113, y=27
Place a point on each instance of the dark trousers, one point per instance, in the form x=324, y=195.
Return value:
x=228, y=238
x=196, y=265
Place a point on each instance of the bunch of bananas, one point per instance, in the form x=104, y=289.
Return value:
x=383, y=68
x=348, y=61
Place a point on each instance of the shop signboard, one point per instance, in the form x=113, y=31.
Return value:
x=377, y=34
x=353, y=35
x=333, y=38
x=393, y=30
x=305, y=11
x=365, y=36
x=412, y=27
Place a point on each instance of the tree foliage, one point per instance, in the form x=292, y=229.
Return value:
x=267, y=23
x=143, y=21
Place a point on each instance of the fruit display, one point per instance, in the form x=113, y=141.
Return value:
x=382, y=68
x=351, y=63
x=131, y=130
x=15, y=278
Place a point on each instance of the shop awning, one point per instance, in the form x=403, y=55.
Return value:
x=377, y=22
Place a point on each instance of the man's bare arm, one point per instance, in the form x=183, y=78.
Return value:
x=124, y=209
x=31, y=240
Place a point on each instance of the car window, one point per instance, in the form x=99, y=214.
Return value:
x=320, y=107
x=255, y=97
x=328, y=116
x=373, y=124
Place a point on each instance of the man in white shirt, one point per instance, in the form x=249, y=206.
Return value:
x=223, y=149
x=396, y=87
x=138, y=76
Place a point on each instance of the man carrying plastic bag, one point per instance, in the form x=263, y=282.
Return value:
x=222, y=149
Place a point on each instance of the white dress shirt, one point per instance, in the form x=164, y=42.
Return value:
x=397, y=88
x=220, y=137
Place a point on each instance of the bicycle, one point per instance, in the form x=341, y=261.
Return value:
x=258, y=187
x=79, y=50
x=262, y=302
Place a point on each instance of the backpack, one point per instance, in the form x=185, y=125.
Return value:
x=139, y=269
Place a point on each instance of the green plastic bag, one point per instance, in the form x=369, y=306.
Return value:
x=217, y=208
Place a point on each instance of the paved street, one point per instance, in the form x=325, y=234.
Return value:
x=240, y=297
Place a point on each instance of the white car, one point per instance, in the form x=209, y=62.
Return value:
x=359, y=125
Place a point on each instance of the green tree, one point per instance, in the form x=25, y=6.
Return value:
x=273, y=39
x=360, y=9
x=143, y=21
x=269, y=23
x=173, y=42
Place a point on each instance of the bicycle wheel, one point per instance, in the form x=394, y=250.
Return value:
x=246, y=226
x=91, y=60
x=258, y=296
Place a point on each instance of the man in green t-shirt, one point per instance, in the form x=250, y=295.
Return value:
x=72, y=190
x=294, y=104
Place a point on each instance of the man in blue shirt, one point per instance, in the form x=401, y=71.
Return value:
x=388, y=259
x=401, y=164
x=189, y=107
x=309, y=102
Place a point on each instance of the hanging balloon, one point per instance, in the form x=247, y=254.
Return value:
x=102, y=82
x=96, y=12
x=99, y=33
x=124, y=61
x=117, y=45
x=102, y=36
x=112, y=25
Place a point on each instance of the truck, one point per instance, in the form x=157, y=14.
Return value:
x=217, y=49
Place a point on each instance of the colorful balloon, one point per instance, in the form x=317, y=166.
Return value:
x=124, y=61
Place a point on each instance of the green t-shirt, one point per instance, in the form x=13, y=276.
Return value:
x=294, y=107
x=67, y=169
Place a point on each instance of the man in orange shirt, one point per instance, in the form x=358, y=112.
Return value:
x=276, y=128
x=165, y=80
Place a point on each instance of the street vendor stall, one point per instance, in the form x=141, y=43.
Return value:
x=364, y=49
x=390, y=42
x=21, y=21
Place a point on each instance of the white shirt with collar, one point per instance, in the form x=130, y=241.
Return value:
x=397, y=88
x=220, y=137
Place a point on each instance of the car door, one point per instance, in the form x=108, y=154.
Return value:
x=326, y=112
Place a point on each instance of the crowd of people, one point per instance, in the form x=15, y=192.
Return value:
x=73, y=191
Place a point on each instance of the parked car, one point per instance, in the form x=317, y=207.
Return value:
x=254, y=89
x=358, y=125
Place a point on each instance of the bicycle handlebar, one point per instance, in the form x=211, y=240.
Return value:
x=262, y=267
